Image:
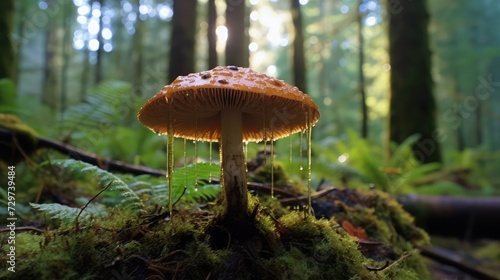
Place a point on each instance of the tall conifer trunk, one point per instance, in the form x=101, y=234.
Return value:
x=412, y=105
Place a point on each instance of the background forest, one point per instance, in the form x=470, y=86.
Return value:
x=64, y=55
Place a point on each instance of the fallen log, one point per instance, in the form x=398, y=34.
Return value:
x=463, y=217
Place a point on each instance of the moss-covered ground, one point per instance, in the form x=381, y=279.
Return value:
x=367, y=236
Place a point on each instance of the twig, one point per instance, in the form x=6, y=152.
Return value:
x=78, y=154
x=455, y=261
x=88, y=202
x=23, y=228
x=370, y=268
x=304, y=198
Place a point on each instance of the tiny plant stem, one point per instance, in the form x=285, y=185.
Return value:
x=233, y=162
x=87, y=204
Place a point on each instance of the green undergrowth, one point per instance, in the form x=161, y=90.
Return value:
x=127, y=235
x=292, y=247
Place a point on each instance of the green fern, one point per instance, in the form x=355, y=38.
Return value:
x=103, y=106
x=67, y=215
x=129, y=198
x=183, y=178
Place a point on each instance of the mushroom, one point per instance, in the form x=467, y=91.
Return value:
x=230, y=105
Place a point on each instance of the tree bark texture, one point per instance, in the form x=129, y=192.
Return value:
x=361, y=76
x=6, y=45
x=463, y=217
x=299, y=65
x=237, y=39
x=182, y=44
x=212, y=37
x=53, y=62
x=412, y=105
x=99, y=65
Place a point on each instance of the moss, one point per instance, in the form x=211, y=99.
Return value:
x=197, y=245
x=26, y=137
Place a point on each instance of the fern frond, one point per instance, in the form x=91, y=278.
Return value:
x=157, y=188
x=67, y=215
x=130, y=200
x=101, y=107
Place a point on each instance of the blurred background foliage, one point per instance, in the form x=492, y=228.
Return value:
x=83, y=68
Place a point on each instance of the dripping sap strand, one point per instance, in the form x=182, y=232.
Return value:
x=309, y=132
x=210, y=161
x=170, y=168
x=300, y=151
x=185, y=165
x=272, y=162
x=195, y=165
x=265, y=138
x=290, y=143
x=221, y=166
x=196, y=152
x=245, y=147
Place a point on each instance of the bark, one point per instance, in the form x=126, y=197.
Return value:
x=100, y=50
x=212, y=37
x=182, y=46
x=53, y=50
x=299, y=65
x=85, y=76
x=412, y=105
x=237, y=41
x=66, y=49
x=138, y=55
x=6, y=45
x=463, y=217
x=361, y=76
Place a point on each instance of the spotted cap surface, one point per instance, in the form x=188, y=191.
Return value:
x=190, y=106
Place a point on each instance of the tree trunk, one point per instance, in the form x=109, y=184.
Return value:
x=412, y=106
x=182, y=44
x=51, y=79
x=361, y=76
x=212, y=37
x=99, y=64
x=138, y=54
x=237, y=41
x=66, y=49
x=6, y=45
x=299, y=65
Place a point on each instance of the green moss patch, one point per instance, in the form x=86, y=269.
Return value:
x=196, y=245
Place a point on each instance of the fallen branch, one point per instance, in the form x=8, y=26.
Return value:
x=7, y=136
x=462, y=217
x=454, y=260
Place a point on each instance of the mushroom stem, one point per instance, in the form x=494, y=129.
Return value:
x=234, y=179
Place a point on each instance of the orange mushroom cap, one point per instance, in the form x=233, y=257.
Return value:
x=190, y=106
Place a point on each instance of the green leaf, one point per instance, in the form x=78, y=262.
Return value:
x=8, y=97
x=129, y=198
x=67, y=215
x=157, y=188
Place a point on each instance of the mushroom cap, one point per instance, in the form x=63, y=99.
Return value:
x=190, y=106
